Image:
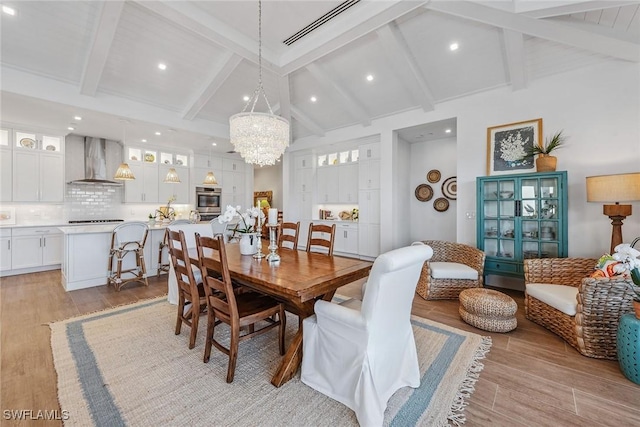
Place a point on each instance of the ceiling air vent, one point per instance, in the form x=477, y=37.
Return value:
x=320, y=21
x=231, y=152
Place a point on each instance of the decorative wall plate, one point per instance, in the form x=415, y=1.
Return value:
x=424, y=192
x=450, y=188
x=50, y=148
x=441, y=204
x=148, y=157
x=28, y=143
x=433, y=176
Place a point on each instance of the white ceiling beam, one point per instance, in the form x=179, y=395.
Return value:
x=222, y=72
x=397, y=48
x=540, y=9
x=306, y=121
x=337, y=33
x=540, y=28
x=285, y=97
x=353, y=106
x=102, y=40
x=191, y=18
x=515, y=61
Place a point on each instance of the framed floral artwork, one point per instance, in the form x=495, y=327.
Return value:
x=508, y=144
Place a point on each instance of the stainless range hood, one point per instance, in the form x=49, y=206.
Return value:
x=95, y=163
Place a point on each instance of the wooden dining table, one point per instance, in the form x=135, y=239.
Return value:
x=298, y=280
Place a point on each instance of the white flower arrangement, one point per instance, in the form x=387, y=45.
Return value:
x=627, y=257
x=247, y=223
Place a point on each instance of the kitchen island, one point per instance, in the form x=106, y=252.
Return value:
x=85, y=262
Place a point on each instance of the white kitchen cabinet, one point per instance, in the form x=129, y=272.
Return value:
x=369, y=151
x=348, y=183
x=369, y=240
x=303, y=180
x=35, y=247
x=5, y=249
x=233, y=183
x=38, y=176
x=369, y=206
x=6, y=175
x=327, y=184
x=304, y=161
x=29, y=140
x=305, y=205
x=346, y=239
x=369, y=174
x=180, y=189
x=145, y=188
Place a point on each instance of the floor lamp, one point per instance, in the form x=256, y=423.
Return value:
x=614, y=189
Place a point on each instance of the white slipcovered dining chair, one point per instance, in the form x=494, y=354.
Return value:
x=360, y=353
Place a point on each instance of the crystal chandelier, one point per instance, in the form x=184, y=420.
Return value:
x=260, y=138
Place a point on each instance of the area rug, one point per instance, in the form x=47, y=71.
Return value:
x=125, y=366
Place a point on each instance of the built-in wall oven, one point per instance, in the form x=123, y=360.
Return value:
x=208, y=202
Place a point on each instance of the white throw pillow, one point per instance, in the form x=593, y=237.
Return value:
x=452, y=270
x=560, y=297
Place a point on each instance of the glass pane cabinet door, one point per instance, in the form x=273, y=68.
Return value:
x=521, y=216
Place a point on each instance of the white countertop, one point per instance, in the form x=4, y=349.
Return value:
x=100, y=228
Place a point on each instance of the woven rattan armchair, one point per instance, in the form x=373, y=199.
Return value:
x=600, y=303
x=449, y=252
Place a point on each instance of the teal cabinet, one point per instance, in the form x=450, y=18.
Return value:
x=521, y=216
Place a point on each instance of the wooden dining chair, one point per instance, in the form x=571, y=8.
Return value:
x=238, y=310
x=321, y=238
x=163, y=267
x=288, y=235
x=190, y=288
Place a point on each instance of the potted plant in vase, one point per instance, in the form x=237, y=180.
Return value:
x=545, y=162
x=246, y=227
x=628, y=260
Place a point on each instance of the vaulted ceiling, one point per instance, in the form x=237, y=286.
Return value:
x=99, y=59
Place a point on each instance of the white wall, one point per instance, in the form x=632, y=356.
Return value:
x=269, y=178
x=425, y=222
x=598, y=107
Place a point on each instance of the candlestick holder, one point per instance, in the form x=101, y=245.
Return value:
x=258, y=255
x=273, y=257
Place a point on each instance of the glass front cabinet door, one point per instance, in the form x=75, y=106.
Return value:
x=521, y=216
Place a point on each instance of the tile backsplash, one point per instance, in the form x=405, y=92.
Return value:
x=93, y=202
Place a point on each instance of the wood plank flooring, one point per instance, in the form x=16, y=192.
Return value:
x=531, y=376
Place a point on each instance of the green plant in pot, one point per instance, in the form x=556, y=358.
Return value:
x=545, y=162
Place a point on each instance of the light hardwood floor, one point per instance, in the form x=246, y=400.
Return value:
x=531, y=376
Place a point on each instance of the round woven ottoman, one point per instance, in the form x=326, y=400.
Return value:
x=488, y=310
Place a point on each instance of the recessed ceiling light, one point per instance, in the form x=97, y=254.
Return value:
x=313, y=99
x=454, y=46
x=158, y=133
x=77, y=118
x=144, y=140
x=214, y=144
x=447, y=131
x=71, y=128
x=245, y=98
x=162, y=66
x=370, y=77
x=9, y=10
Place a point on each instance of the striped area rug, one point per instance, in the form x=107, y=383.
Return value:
x=124, y=366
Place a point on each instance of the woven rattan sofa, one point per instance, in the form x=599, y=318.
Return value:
x=597, y=304
x=453, y=268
